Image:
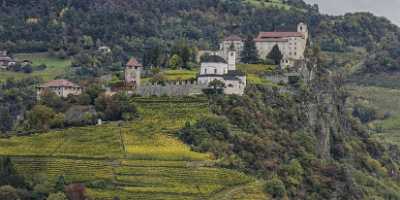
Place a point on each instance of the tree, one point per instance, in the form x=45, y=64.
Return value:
x=8, y=174
x=39, y=118
x=249, y=53
x=275, y=55
x=184, y=51
x=175, y=62
x=216, y=86
x=50, y=99
x=60, y=184
x=276, y=188
x=8, y=193
x=6, y=120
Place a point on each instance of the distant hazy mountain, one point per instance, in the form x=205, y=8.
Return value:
x=387, y=8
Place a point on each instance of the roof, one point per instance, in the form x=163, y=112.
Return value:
x=213, y=59
x=233, y=38
x=60, y=83
x=134, y=63
x=265, y=35
x=236, y=73
x=271, y=40
x=6, y=58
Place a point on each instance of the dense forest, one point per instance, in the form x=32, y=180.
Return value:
x=69, y=27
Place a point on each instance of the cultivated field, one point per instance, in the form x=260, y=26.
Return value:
x=141, y=159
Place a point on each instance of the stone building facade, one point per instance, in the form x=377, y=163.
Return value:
x=291, y=44
x=62, y=88
x=133, y=71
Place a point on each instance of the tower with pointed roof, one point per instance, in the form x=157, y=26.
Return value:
x=133, y=71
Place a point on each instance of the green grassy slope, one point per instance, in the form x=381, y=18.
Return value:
x=386, y=101
x=55, y=66
x=142, y=159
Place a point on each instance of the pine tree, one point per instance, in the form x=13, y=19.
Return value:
x=60, y=184
x=249, y=54
x=275, y=55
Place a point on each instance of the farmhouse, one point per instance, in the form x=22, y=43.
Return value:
x=5, y=60
x=216, y=68
x=291, y=44
x=133, y=72
x=61, y=87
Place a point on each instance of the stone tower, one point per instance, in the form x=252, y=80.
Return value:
x=231, y=60
x=133, y=72
x=302, y=28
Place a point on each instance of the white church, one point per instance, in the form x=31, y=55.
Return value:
x=217, y=68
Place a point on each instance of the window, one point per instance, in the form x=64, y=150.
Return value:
x=215, y=71
x=205, y=71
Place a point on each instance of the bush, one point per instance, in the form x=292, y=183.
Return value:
x=8, y=193
x=364, y=113
x=275, y=187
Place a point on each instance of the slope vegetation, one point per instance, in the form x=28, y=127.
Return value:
x=136, y=160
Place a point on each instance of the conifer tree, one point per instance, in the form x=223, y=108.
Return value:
x=249, y=54
x=275, y=55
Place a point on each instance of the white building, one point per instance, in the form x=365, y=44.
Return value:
x=62, y=88
x=133, y=72
x=216, y=68
x=291, y=44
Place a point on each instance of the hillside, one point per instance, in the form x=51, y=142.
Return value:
x=333, y=137
x=137, y=160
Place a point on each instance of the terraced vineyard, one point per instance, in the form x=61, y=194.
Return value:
x=141, y=159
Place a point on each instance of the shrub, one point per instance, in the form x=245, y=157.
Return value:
x=9, y=193
x=275, y=187
x=364, y=113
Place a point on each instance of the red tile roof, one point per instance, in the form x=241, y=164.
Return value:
x=265, y=35
x=233, y=38
x=271, y=40
x=60, y=83
x=134, y=63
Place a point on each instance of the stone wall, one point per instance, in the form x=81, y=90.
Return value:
x=171, y=89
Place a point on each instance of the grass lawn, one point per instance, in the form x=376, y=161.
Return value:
x=268, y=3
x=55, y=66
x=174, y=75
x=255, y=72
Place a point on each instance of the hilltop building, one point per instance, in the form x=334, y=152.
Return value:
x=61, y=87
x=133, y=72
x=216, y=68
x=291, y=44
